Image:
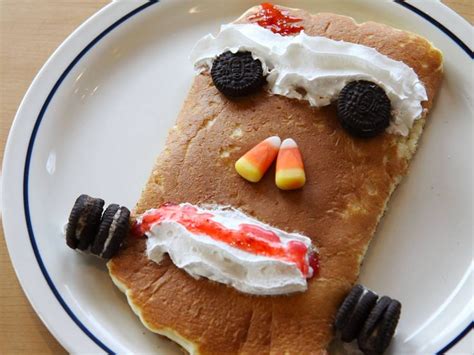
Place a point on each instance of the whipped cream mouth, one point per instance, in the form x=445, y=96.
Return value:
x=227, y=246
x=316, y=69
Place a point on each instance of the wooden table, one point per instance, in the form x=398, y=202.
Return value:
x=29, y=32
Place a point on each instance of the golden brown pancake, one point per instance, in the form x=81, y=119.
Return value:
x=349, y=182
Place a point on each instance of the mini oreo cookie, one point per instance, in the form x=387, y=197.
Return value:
x=363, y=108
x=358, y=316
x=113, y=228
x=83, y=222
x=371, y=323
x=387, y=326
x=347, y=306
x=237, y=74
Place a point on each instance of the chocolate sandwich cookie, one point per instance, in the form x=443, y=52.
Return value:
x=237, y=74
x=113, y=228
x=84, y=222
x=347, y=307
x=378, y=330
x=372, y=320
x=358, y=316
x=363, y=108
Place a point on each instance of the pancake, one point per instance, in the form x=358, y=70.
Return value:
x=349, y=182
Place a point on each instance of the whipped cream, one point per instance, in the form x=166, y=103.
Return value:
x=203, y=256
x=316, y=69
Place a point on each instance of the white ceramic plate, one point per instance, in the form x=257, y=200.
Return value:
x=97, y=114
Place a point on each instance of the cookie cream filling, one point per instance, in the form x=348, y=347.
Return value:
x=112, y=229
x=316, y=69
x=227, y=246
x=81, y=224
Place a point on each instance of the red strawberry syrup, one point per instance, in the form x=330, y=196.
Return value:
x=272, y=18
x=248, y=237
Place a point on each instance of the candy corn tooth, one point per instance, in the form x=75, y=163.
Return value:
x=253, y=164
x=290, y=173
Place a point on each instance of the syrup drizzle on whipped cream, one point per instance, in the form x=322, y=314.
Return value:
x=227, y=246
x=277, y=21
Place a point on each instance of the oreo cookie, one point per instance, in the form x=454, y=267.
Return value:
x=371, y=320
x=347, y=306
x=365, y=338
x=363, y=108
x=237, y=74
x=113, y=229
x=83, y=222
x=358, y=316
x=376, y=336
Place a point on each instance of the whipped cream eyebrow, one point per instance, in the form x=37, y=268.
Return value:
x=315, y=69
x=229, y=247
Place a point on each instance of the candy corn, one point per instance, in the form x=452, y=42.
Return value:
x=290, y=173
x=253, y=164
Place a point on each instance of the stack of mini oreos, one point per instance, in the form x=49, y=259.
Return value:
x=89, y=228
x=370, y=319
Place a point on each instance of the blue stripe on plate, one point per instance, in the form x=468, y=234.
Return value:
x=40, y=118
x=457, y=339
x=470, y=53
x=436, y=23
x=27, y=168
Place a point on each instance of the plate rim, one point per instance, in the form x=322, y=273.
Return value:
x=37, y=121
x=101, y=23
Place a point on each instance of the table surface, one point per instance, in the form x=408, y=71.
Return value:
x=29, y=32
